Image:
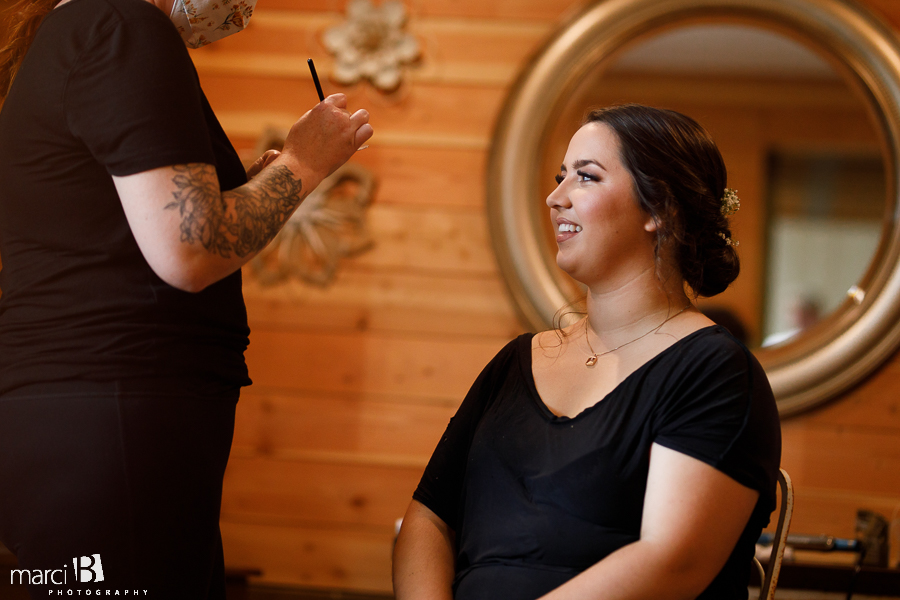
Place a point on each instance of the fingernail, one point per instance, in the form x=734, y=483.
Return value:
x=362, y=147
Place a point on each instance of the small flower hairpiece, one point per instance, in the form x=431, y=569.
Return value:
x=730, y=203
x=728, y=240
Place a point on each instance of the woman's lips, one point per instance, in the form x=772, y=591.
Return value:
x=566, y=230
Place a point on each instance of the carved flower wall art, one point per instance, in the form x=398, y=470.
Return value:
x=371, y=44
x=328, y=226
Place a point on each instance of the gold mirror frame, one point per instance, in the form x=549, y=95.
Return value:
x=813, y=367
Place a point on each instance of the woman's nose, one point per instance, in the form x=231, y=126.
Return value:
x=559, y=196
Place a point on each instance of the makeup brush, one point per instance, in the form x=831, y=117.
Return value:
x=315, y=76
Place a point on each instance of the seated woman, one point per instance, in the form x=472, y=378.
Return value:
x=633, y=454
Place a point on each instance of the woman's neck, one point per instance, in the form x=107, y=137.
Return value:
x=635, y=307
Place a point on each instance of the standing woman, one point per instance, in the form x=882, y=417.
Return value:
x=125, y=217
x=634, y=454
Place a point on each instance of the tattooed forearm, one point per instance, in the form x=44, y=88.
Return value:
x=239, y=222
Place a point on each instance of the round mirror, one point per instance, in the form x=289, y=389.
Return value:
x=803, y=98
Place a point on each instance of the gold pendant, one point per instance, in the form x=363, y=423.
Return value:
x=591, y=361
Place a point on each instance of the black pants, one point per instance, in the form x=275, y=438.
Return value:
x=118, y=472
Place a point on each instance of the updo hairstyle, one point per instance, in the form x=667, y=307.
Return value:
x=679, y=179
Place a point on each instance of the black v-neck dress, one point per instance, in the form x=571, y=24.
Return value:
x=535, y=499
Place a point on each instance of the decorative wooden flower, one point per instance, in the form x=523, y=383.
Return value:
x=329, y=225
x=371, y=44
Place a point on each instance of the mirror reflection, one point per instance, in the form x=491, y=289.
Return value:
x=825, y=211
x=801, y=147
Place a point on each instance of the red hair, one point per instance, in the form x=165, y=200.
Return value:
x=20, y=22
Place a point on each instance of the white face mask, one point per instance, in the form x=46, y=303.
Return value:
x=202, y=22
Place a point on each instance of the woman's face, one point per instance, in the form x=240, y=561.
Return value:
x=603, y=236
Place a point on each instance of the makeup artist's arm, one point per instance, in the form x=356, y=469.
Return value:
x=192, y=234
x=424, y=556
x=693, y=516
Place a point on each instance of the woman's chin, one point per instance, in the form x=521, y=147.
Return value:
x=568, y=267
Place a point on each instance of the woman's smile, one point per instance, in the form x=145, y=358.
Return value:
x=566, y=230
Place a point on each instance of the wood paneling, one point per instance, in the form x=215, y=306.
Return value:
x=343, y=558
x=864, y=459
x=434, y=177
x=452, y=50
x=354, y=382
x=824, y=510
x=401, y=366
x=421, y=111
x=302, y=493
x=428, y=239
x=437, y=177
x=341, y=428
x=367, y=300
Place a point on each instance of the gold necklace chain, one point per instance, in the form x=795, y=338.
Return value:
x=592, y=359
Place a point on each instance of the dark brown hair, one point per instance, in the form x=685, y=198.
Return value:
x=20, y=20
x=679, y=179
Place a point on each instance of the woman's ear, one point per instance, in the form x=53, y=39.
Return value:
x=652, y=224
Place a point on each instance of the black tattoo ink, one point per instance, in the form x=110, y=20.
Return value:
x=244, y=228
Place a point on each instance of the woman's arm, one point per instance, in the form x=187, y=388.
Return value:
x=693, y=516
x=424, y=556
x=192, y=234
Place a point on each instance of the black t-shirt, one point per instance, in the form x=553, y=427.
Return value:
x=107, y=88
x=535, y=499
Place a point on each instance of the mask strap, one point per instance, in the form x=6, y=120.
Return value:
x=179, y=18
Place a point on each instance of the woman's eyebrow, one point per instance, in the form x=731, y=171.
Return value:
x=586, y=161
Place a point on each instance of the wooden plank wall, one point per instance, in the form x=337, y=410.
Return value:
x=354, y=383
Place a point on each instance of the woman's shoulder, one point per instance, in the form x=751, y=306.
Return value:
x=113, y=23
x=108, y=27
x=709, y=347
x=517, y=349
x=709, y=361
x=102, y=10
x=711, y=367
x=510, y=354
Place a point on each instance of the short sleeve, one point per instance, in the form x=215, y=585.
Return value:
x=441, y=486
x=133, y=97
x=722, y=412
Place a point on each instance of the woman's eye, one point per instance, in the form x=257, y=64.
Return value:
x=559, y=179
x=582, y=176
